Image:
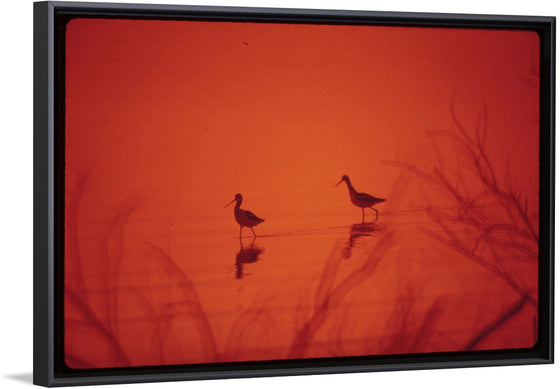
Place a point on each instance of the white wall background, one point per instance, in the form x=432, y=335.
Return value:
x=16, y=214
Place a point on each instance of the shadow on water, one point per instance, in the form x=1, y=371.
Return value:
x=246, y=254
x=359, y=233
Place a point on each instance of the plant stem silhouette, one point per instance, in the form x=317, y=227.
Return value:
x=494, y=227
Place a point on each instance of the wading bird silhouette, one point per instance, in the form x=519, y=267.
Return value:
x=242, y=217
x=362, y=200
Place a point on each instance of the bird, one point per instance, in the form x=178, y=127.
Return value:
x=362, y=200
x=242, y=217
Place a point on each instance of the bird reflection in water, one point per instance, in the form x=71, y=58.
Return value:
x=246, y=254
x=359, y=233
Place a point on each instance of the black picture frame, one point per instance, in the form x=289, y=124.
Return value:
x=49, y=19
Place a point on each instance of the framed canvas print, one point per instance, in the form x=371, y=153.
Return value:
x=239, y=192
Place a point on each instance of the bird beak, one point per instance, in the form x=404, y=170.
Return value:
x=229, y=203
x=338, y=183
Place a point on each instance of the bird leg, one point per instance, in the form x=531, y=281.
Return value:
x=255, y=235
x=363, y=215
x=376, y=213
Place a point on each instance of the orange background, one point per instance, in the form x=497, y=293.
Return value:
x=167, y=120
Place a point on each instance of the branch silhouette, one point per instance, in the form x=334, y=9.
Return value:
x=496, y=226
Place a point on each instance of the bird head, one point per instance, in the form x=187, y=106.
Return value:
x=344, y=178
x=237, y=198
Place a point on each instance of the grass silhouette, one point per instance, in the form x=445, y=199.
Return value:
x=490, y=221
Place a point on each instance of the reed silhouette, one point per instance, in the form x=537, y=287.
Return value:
x=112, y=249
x=189, y=304
x=495, y=226
x=84, y=316
x=102, y=320
x=332, y=289
x=406, y=333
